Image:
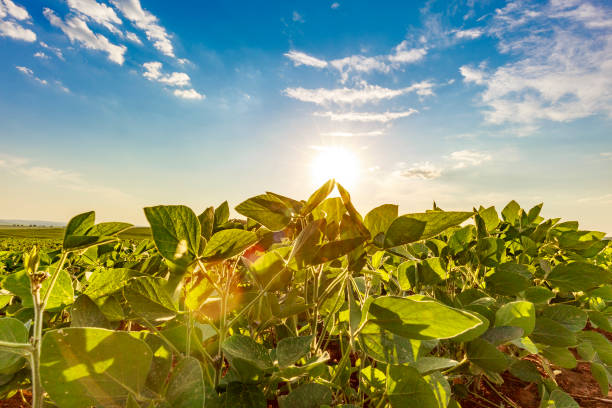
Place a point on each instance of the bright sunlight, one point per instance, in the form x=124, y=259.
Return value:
x=338, y=163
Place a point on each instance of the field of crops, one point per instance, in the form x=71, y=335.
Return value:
x=307, y=304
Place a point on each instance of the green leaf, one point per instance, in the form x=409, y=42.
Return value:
x=599, y=343
x=267, y=266
x=104, y=282
x=441, y=388
x=578, y=276
x=428, y=364
x=509, y=279
x=538, y=294
x=79, y=225
x=525, y=370
x=291, y=349
x=334, y=250
x=432, y=271
x=222, y=214
x=85, y=313
x=378, y=220
x=602, y=376
x=81, y=232
x=510, y=212
x=386, y=347
x=490, y=218
x=560, y=356
x=240, y=395
x=491, y=251
x=420, y=319
x=406, y=388
x=267, y=210
x=207, y=222
x=309, y=395
x=227, y=243
x=62, y=294
x=415, y=227
x=549, y=332
x=186, y=385
x=503, y=334
x=570, y=317
x=81, y=367
x=487, y=356
x=148, y=298
x=11, y=330
x=247, y=349
x=176, y=232
x=318, y=196
x=600, y=320
x=560, y=399
x=520, y=314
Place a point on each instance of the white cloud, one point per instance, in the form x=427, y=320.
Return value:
x=561, y=68
x=188, y=94
x=153, y=73
x=133, y=37
x=335, y=5
x=297, y=17
x=382, y=117
x=28, y=72
x=405, y=55
x=147, y=22
x=607, y=155
x=300, y=58
x=424, y=171
x=472, y=75
x=97, y=12
x=14, y=30
x=77, y=31
x=471, y=33
x=55, y=50
x=353, y=134
x=9, y=8
x=466, y=158
x=364, y=94
x=358, y=63
x=41, y=55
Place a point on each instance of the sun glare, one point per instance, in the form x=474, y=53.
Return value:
x=338, y=163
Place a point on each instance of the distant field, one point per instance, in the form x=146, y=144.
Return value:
x=136, y=233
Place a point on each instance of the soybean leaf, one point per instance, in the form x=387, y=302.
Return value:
x=510, y=212
x=487, y=356
x=176, y=232
x=267, y=266
x=378, y=220
x=602, y=376
x=291, y=349
x=415, y=227
x=222, y=214
x=502, y=334
x=318, y=196
x=560, y=399
x=420, y=319
x=525, y=370
x=85, y=313
x=599, y=344
x=11, y=330
x=238, y=395
x=98, y=367
x=207, y=222
x=509, y=279
x=267, y=210
x=309, y=395
x=227, y=243
x=571, y=317
x=62, y=294
x=406, y=387
x=103, y=282
x=549, y=332
x=520, y=314
x=560, y=356
x=428, y=364
x=148, y=298
x=247, y=349
x=578, y=276
x=390, y=348
x=186, y=385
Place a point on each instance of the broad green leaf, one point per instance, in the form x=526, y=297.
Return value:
x=440, y=387
x=247, y=349
x=602, y=376
x=538, y=294
x=407, y=388
x=560, y=356
x=510, y=213
x=269, y=265
x=491, y=251
x=334, y=250
x=428, y=364
x=291, y=349
x=309, y=395
x=525, y=370
x=571, y=317
x=186, y=385
x=501, y=335
x=598, y=319
x=386, y=347
x=81, y=232
x=85, y=313
x=148, y=298
x=11, y=330
x=560, y=399
x=267, y=210
x=104, y=282
x=162, y=361
x=318, y=196
x=62, y=294
x=415, y=227
x=222, y=214
x=176, y=231
x=549, y=332
x=432, y=271
x=239, y=395
x=509, y=279
x=78, y=225
x=207, y=222
x=599, y=343
x=578, y=276
x=354, y=216
x=332, y=209
x=476, y=331
x=378, y=220
x=81, y=367
x=227, y=243
x=420, y=319
x=487, y=356
x=490, y=218
x=520, y=314
x=105, y=229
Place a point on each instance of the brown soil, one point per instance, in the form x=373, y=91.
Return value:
x=16, y=402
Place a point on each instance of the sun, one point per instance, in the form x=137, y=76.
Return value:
x=338, y=163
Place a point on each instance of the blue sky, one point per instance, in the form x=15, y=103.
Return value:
x=115, y=105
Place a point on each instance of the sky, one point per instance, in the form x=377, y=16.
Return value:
x=120, y=104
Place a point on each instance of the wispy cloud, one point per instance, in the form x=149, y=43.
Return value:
x=424, y=171
x=153, y=73
x=29, y=73
x=335, y=5
x=144, y=20
x=54, y=50
x=77, y=31
x=11, y=17
x=41, y=55
x=365, y=93
x=382, y=117
x=300, y=58
x=455, y=161
x=471, y=33
x=561, y=68
x=467, y=158
x=97, y=12
x=353, y=134
x=297, y=17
